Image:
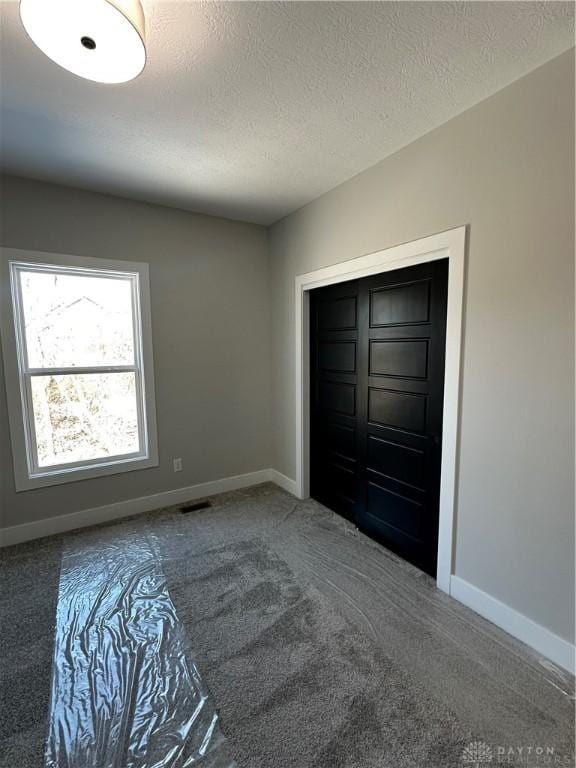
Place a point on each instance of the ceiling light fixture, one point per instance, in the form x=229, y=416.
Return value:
x=101, y=40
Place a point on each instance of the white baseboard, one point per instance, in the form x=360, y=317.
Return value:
x=544, y=641
x=284, y=482
x=52, y=525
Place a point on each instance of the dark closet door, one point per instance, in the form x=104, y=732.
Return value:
x=334, y=323
x=376, y=406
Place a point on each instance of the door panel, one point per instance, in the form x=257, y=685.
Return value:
x=394, y=357
x=403, y=514
x=399, y=410
x=337, y=313
x=377, y=378
x=337, y=397
x=333, y=356
x=400, y=304
x=396, y=461
x=337, y=356
x=338, y=439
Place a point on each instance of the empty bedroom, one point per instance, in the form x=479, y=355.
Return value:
x=287, y=384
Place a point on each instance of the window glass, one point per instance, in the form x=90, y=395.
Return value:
x=76, y=320
x=79, y=417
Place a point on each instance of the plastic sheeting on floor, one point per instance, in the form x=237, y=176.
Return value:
x=125, y=690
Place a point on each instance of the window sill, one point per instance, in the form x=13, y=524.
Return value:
x=26, y=482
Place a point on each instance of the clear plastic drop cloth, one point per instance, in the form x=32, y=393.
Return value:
x=126, y=692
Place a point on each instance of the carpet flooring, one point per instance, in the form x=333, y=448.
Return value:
x=320, y=648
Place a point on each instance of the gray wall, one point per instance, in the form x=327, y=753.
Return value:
x=210, y=316
x=506, y=168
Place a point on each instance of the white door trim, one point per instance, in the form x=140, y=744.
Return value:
x=451, y=245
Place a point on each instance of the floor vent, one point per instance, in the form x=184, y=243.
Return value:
x=195, y=507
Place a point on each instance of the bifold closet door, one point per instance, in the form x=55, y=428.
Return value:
x=377, y=377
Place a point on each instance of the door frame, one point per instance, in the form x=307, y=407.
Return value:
x=450, y=244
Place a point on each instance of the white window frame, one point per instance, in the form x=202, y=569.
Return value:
x=18, y=375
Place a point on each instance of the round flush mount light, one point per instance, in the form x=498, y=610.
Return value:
x=101, y=40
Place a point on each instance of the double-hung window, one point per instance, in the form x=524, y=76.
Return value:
x=78, y=352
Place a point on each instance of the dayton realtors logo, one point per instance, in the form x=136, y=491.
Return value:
x=479, y=754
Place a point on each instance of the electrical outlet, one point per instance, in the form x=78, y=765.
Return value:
x=177, y=465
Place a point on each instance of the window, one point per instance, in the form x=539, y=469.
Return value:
x=80, y=350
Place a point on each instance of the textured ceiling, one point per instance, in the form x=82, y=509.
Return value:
x=250, y=110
